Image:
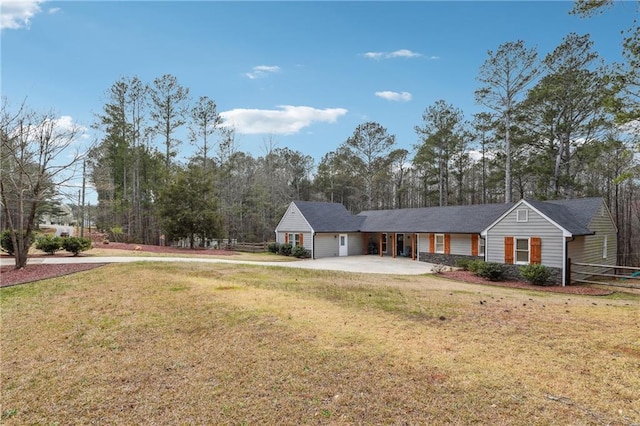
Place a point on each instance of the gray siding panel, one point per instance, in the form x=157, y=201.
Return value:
x=326, y=245
x=591, y=248
x=536, y=226
x=355, y=244
x=460, y=244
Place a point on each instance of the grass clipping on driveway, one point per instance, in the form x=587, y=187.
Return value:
x=227, y=344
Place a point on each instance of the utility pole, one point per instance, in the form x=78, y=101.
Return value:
x=84, y=174
x=79, y=218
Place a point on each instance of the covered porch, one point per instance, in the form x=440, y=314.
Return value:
x=393, y=244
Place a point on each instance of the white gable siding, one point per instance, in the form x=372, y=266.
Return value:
x=536, y=226
x=293, y=221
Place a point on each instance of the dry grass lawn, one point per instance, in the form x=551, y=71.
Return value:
x=227, y=344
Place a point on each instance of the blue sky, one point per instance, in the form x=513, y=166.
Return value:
x=301, y=74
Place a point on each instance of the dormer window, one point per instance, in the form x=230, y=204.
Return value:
x=522, y=215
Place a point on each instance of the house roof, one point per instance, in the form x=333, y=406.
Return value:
x=470, y=219
x=328, y=217
x=573, y=215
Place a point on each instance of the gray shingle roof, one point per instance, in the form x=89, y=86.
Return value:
x=452, y=219
x=328, y=217
x=573, y=215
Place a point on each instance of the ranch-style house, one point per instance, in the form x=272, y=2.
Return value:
x=550, y=233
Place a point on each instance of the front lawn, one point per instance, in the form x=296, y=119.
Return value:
x=242, y=344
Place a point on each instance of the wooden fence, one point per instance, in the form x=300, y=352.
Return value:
x=622, y=276
x=246, y=247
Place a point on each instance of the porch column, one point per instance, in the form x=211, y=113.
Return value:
x=380, y=246
x=414, y=246
x=394, y=249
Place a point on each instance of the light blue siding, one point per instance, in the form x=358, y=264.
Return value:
x=552, y=238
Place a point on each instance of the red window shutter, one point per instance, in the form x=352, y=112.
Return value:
x=432, y=243
x=474, y=245
x=286, y=237
x=508, y=250
x=447, y=243
x=536, y=250
x=302, y=239
x=365, y=249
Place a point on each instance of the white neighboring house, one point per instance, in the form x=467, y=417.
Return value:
x=64, y=218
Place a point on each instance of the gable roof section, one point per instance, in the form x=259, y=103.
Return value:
x=570, y=216
x=328, y=217
x=470, y=219
x=581, y=211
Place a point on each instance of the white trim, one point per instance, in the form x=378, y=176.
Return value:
x=526, y=215
x=435, y=244
x=515, y=251
x=605, y=246
x=343, y=249
x=565, y=233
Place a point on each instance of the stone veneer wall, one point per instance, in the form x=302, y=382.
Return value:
x=511, y=272
x=444, y=259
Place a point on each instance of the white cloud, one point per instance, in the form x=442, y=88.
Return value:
x=285, y=120
x=394, y=96
x=434, y=58
x=262, y=71
x=17, y=14
x=54, y=10
x=402, y=53
x=374, y=55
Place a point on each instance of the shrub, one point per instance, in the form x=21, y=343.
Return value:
x=7, y=245
x=273, y=247
x=463, y=263
x=491, y=271
x=475, y=265
x=300, y=252
x=285, y=249
x=49, y=244
x=536, y=274
x=76, y=244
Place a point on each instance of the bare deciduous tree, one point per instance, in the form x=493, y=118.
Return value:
x=36, y=159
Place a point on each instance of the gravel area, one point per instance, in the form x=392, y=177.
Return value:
x=469, y=277
x=10, y=276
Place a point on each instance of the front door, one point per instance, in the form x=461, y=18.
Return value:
x=344, y=245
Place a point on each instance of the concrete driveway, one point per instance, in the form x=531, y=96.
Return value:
x=364, y=264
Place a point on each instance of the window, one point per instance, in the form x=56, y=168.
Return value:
x=522, y=215
x=342, y=240
x=294, y=240
x=384, y=243
x=481, y=244
x=439, y=243
x=604, y=247
x=522, y=250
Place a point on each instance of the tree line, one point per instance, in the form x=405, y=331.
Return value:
x=553, y=126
